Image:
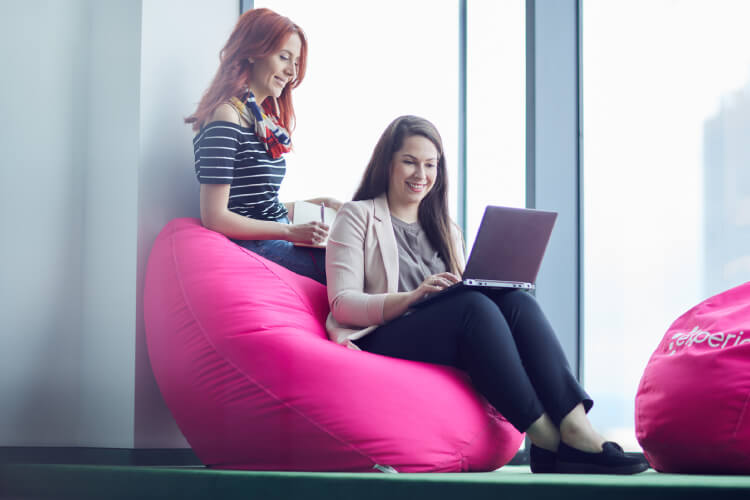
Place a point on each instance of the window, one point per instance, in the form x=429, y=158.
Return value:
x=392, y=58
x=666, y=100
x=496, y=108
x=368, y=64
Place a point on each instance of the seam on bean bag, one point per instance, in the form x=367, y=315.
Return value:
x=458, y=458
x=248, y=377
x=741, y=417
x=642, y=389
x=265, y=265
x=494, y=417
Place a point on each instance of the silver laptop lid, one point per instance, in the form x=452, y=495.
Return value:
x=510, y=244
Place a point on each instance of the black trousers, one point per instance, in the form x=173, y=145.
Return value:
x=502, y=339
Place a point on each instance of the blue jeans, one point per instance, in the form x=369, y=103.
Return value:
x=310, y=262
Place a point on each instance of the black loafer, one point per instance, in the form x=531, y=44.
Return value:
x=542, y=461
x=611, y=460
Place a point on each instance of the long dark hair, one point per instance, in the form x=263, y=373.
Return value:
x=433, y=209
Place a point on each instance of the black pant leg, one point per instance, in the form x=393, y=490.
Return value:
x=466, y=330
x=541, y=353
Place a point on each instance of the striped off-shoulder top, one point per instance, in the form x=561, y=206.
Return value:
x=227, y=153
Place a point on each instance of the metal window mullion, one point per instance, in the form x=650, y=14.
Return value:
x=246, y=5
x=462, y=135
x=553, y=160
x=530, y=104
x=579, y=194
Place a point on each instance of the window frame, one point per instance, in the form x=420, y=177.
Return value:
x=554, y=176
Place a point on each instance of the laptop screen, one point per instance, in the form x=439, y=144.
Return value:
x=510, y=244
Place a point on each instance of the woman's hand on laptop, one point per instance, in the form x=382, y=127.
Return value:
x=433, y=284
x=398, y=303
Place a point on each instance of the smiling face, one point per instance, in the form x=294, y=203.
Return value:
x=271, y=74
x=413, y=173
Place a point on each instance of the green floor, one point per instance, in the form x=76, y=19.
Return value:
x=30, y=481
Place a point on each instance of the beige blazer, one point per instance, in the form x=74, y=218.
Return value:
x=362, y=267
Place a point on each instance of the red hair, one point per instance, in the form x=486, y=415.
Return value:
x=259, y=33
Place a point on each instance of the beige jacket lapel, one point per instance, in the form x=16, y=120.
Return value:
x=386, y=241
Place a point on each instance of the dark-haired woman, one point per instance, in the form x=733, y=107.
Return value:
x=243, y=124
x=395, y=243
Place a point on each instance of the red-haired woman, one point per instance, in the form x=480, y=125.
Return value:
x=395, y=243
x=243, y=124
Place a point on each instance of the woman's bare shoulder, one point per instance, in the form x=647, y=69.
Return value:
x=225, y=112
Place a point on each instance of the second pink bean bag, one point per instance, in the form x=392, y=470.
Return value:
x=693, y=403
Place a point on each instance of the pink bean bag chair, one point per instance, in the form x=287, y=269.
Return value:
x=240, y=354
x=692, y=409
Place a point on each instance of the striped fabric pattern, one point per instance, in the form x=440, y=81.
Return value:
x=226, y=153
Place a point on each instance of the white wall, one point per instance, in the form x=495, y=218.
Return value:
x=110, y=225
x=42, y=91
x=96, y=161
x=180, y=54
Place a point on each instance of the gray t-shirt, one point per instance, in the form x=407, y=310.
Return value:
x=417, y=259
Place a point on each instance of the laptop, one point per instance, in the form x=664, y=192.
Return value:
x=507, y=252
